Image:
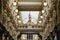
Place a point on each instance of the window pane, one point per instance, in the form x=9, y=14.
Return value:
x=25, y=17
x=33, y=14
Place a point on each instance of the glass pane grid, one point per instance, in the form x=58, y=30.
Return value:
x=33, y=15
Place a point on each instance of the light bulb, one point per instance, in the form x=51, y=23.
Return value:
x=14, y=3
x=40, y=21
x=41, y=16
x=43, y=11
x=19, y=21
x=16, y=10
x=18, y=16
x=45, y=3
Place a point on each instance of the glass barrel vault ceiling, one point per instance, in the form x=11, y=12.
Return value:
x=33, y=15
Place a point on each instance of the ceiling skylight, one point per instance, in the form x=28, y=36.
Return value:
x=33, y=14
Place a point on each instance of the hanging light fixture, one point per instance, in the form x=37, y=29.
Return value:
x=41, y=16
x=43, y=11
x=40, y=21
x=16, y=10
x=45, y=3
x=18, y=16
x=14, y=3
x=19, y=21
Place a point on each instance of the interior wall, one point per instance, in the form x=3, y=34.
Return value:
x=4, y=34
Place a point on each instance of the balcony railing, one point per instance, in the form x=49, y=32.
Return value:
x=29, y=28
